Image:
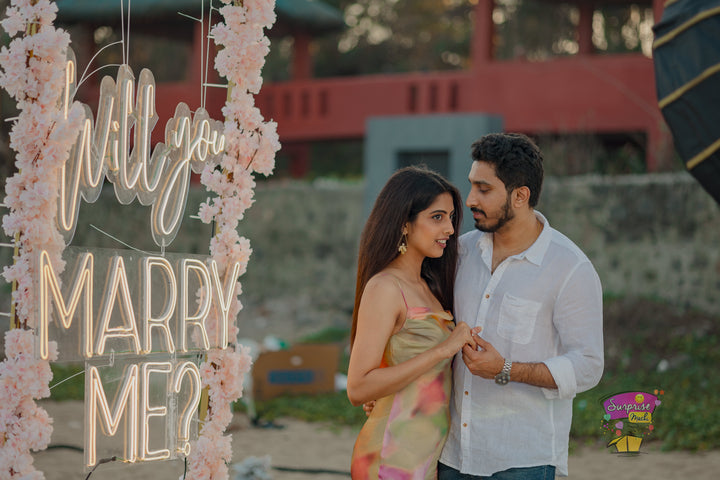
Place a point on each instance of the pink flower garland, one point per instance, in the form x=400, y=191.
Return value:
x=251, y=144
x=41, y=136
x=24, y=426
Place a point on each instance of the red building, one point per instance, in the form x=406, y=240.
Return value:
x=582, y=93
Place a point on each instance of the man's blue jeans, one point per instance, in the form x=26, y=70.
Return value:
x=544, y=472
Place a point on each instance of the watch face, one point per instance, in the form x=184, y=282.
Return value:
x=502, y=378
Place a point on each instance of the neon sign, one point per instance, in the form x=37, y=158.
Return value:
x=139, y=322
x=113, y=315
x=165, y=406
x=102, y=150
x=140, y=314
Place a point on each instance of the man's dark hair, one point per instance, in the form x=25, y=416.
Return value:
x=517, y=161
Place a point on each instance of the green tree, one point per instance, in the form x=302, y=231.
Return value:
x=534, y=29
x=387, y=36
x=393, y=36
x=624, y=28
x=540, y=29
x=399, y=36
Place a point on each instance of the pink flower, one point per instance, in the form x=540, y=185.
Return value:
x=251, y=144
x=261, y=12
x=18, y=342
x=41, y=138
x=207, y=212
x=13, y=24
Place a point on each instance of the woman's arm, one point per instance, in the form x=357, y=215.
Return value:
x=379, y=313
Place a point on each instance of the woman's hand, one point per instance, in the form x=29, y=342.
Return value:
x=460, y=337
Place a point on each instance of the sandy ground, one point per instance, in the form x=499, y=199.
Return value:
x=323, y=452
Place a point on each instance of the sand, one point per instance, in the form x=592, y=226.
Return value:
x=320, y=451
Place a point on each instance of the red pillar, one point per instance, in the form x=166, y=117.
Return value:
x=195, y=67
x=87, y=49
x=658, y=9
x=299, y=154
x=660, y=154
x=481, y=49
x=301, y=59
x=660, y=142
x=584, y=29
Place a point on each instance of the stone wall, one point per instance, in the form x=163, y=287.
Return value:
x=654, y=236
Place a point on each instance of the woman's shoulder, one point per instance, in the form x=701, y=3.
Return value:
x=385, y=285
x=384, y=280
x=383, y=292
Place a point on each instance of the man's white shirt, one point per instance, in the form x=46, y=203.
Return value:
x=542, y=305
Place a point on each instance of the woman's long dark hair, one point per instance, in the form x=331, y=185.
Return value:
x=408, y=192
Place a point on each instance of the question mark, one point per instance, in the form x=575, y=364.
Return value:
x=183, y=433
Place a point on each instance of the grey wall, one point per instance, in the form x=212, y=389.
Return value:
x=653, y=236
x=386, y=137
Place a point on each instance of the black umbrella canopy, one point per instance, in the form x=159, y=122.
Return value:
x=686, y=54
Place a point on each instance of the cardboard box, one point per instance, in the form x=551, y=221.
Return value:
x=302, y=369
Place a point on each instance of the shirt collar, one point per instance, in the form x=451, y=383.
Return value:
x=534, y=254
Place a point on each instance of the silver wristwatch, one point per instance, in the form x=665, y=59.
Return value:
x=503, y=377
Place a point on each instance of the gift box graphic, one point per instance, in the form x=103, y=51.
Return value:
x=626, y=443
x=629, y=416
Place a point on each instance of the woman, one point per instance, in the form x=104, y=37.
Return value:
x=403, y=337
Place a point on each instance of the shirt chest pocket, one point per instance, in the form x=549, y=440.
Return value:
x=517, y=319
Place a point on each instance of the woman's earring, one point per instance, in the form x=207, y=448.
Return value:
x=402, y=248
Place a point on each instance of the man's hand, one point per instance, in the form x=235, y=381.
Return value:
x=484, y=362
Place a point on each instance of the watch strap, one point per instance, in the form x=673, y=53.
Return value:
x=503, y=378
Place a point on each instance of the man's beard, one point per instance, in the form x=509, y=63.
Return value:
x=507, y=215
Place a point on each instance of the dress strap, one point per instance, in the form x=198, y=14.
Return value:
x=402, y=293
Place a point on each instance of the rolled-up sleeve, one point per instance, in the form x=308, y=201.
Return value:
x=578, y=319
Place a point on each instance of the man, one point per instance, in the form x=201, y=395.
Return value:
x=538, y=300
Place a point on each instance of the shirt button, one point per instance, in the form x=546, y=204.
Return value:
x=487, y=295
x=464, y=424
x=467, y=393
